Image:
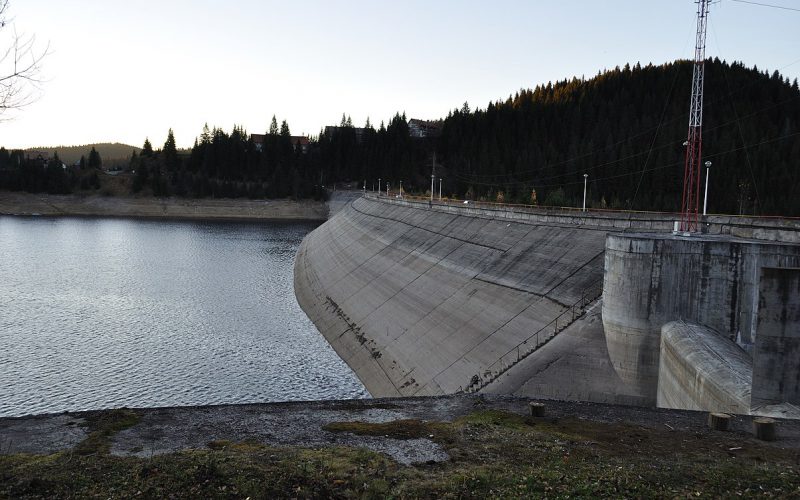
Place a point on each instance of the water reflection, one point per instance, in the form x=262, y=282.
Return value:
x=98, y=313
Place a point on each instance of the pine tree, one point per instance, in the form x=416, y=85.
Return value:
x=273, y=126
x=147, y=149
x=170, y=152
x=94, y=159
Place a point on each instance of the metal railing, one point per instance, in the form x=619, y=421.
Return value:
x=448, y=201
x=538, y=338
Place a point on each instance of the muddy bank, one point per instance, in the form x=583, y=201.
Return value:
x=12, y=203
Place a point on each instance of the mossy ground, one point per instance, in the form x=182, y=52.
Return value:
x=493, y=454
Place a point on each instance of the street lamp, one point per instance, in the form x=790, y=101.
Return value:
x=432, y=180
x=585, y=177
x=387, y=189
x=401, y=190
x=379, y=186
x=440, y=189
x=705, y=196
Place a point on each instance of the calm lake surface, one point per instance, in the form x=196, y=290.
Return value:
x=100, y=313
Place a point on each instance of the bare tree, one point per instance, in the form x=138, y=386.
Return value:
x=20, y=66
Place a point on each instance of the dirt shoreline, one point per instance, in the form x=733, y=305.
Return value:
x=13, y=203
x=474, y=446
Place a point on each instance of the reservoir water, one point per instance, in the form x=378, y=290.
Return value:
x=101, y=313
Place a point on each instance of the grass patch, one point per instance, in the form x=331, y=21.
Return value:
x=102, y=426
x=397, y=429
x=494, y=454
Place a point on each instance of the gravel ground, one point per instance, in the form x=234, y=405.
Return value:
x=166, y=430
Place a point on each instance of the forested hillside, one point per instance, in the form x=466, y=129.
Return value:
x=113, y=153
x=625, y=128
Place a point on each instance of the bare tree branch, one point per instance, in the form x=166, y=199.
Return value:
x=20, y=67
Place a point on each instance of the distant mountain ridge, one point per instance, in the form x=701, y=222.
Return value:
x=110, y=152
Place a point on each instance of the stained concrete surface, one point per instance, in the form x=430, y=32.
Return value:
x=776, y=361
x=573, y=366
x=701, y=369
x=423, y=299
x=418, y=302
x=652, y=279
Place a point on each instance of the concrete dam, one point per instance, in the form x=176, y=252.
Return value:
x=433, y=298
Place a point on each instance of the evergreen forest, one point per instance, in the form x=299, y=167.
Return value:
x=623, y=128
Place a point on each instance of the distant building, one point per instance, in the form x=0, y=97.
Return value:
x=38, y=155
x=258, y=140
x=298, y=141
x=358, y=131
x=424, y=128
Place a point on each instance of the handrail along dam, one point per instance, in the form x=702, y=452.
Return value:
x=427, y=298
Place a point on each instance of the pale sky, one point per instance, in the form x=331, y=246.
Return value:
x=120, y=71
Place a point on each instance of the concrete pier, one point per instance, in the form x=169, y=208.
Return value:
x=776, y=375
x=653, y=279
x=702, y=370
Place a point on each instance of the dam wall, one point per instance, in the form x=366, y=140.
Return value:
x=422, y=301
x=785, y=230
x=428, y=298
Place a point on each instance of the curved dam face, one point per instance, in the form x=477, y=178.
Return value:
x=420, y=301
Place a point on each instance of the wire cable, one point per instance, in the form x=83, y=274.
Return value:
x=473, y=178
x=661, y=167
x=739, y=125
x=767, y=5
x=652, y=143
x=682, y=116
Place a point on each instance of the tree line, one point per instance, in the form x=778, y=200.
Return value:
x=623, y=128
x=19, y=171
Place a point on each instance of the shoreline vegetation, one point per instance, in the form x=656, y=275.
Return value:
x=27, y=204
x=448, y=447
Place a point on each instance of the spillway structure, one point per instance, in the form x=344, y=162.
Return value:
x=424, y=298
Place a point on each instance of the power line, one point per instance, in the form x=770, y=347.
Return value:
x=681, y=116
x=739, y=127
x=653, y=142
x=768, y=5
x=475, y=178
x=625, y=174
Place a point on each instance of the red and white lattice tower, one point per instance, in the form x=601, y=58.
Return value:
x=690, y=202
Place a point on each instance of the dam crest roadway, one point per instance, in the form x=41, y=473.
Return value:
x=425, y=298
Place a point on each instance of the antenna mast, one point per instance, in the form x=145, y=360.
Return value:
x=690, y=201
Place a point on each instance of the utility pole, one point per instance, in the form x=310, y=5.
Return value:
x=401, y=190
x=440, y=189
x=379, y=186
x=387, y=189
x=691, y=174
x=433, y=176
x=705, y=196
x=585, y=177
